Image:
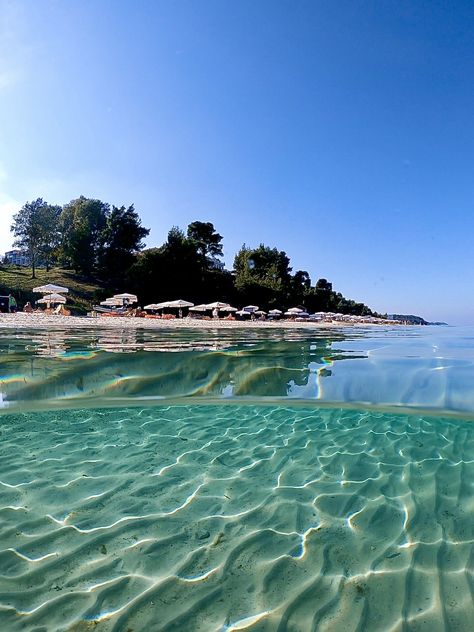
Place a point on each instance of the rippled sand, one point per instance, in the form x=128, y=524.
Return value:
x=205, y=518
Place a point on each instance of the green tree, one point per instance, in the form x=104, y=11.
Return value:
x=48, y=249
x=262, y=275
x=35, y=228
x=82, y=223
x=121, y=240
x=180, y=268
x=207, y=241
x=324, y=300
x=170, y=271
x=300, y=285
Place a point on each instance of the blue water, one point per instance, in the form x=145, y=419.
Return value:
x=233, y=480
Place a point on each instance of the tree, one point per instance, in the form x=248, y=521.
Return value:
x=170, y=271
x=35, y=228
x=120, y=241
x=82, y=222
x=48, y=249
x=301, y=280
x=324, y=296
x=300, y=285
x=262, y=275
x=182, y=267
x=207, y=241
x=323, y=284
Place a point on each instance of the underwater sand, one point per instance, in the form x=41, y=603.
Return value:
x=235, y=517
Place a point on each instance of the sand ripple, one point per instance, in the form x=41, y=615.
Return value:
x=241, y=517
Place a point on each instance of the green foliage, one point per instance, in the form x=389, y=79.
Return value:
x=182, y=266
x=35, y=228
x=262, y=275
x=49, y=246
x=207, y=241
x=95, y=239
x=120, y=241
x=82, y=223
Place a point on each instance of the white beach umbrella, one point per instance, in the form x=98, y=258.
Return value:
x=126, y=295
x=275, y=312
x=180, y=303
x=250, y=308
x=131, y=298
x=242, y=312
x=228, y=309
x=260, y=312
x=295, y=310
x=52, y=298
x=217, y=305
x=198, y=308
x=151, y=306
x=50, y=288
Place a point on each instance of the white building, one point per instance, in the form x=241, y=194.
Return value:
x=17, y=257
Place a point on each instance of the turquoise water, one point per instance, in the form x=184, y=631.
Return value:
x=286, y=481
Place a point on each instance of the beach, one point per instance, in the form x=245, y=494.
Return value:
x=22, y=320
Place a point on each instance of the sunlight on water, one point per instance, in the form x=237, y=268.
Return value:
x=275, y=515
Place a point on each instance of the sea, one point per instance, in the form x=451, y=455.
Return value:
x=268, y=480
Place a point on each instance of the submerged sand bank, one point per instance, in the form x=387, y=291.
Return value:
x=21, y=320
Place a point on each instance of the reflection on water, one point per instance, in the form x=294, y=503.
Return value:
x=421, y=367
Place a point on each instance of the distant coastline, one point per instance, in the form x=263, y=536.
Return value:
x=411, y=319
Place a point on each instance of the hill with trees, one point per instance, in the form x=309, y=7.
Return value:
x=97, y=248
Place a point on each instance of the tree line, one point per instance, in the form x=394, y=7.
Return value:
x=88, y=236
x=105, y=242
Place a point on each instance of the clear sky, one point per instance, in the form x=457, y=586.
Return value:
x=340, y=131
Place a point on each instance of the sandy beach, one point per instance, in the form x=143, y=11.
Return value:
x=21, y=320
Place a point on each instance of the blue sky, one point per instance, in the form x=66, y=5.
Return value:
x=340, y=132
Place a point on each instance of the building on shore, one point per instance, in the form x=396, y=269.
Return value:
x=17, y=258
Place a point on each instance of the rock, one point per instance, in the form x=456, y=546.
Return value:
x=203, y=534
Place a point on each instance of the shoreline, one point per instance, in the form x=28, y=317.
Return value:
x=21, y=320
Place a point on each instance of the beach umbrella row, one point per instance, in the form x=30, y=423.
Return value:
x=179, y=304
x=225, y=307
